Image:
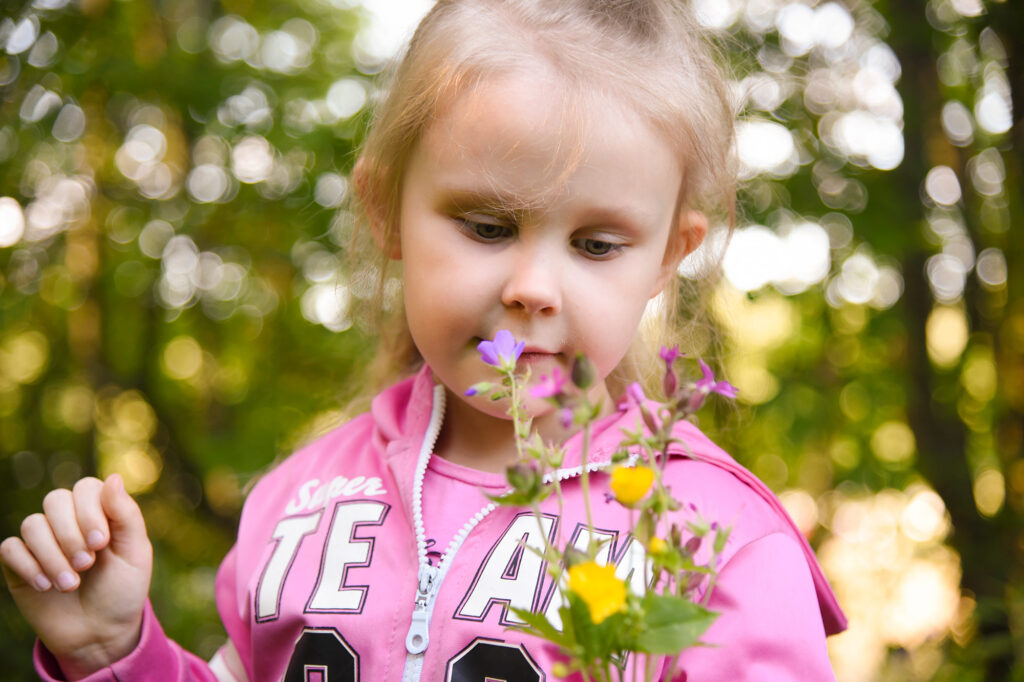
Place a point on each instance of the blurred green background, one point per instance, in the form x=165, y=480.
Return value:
x=175, y=302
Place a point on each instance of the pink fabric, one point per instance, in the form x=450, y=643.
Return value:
x=155, y=658
x=445, y=482
x=324, y=570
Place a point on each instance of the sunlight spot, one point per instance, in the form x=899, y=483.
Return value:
x=765, y=147
x=346, y=97
x=957, y=123
x=924, y=518
x=991, y=267
x=989, y=491
x=942, y=185
x=893, y=442
x=182, y=358
x=12, y=222
x=993, y=113
x=946, y=334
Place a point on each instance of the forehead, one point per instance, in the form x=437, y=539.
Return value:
x=531, y=134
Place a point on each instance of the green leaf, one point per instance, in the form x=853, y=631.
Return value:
x=671, y=624
x=537, y=624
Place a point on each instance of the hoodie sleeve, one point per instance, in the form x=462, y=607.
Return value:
x=770, y=627
x=155, y=659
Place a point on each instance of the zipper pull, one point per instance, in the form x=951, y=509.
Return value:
x=419, y=630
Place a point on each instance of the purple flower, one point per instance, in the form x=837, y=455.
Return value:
x=565, y=417
x=503, y=351
x=708, y=384
x=636, y=393
x=669, y=355
x=550, y=385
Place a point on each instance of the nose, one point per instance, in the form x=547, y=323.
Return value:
x=532, y=284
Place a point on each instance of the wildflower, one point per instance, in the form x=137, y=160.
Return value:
x=599, y=588
x=656, y=545
x=503, y=351
x=630, y=484
x=549, y=385
x=708, y=384
x=669, y=355
x=636, y=393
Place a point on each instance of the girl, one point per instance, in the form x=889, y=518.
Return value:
x=535, y=166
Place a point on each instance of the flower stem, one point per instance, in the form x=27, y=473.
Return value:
x=585, y=484
x=517, y=414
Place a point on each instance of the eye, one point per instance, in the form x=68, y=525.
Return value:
x=485, y=232
x=598, y=248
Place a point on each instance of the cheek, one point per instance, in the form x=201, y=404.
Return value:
x=610, y=324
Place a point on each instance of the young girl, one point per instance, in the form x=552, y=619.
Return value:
x=535, y=166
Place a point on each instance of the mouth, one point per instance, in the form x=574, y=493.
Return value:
x=537, y=358
x=531, y=353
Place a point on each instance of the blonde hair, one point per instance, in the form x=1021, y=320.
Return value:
x=649, y=54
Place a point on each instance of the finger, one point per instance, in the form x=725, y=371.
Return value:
x=20, y=567
x=91, y=519
x=42, y=543
x=127, y=527
x=59, y=507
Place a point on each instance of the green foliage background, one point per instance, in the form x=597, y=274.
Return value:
x=191, y=364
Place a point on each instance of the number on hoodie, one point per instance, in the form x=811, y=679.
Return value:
x=322, y=655
x=485, y=660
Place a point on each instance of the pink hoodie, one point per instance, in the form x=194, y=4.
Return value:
x=331, y=580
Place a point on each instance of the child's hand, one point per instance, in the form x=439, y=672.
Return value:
x=80, y=573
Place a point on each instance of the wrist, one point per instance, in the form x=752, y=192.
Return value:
x=94, y=657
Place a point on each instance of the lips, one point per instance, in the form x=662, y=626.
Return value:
x=532, y=357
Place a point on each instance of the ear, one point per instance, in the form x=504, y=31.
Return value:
x=372, y=199
x=690, y=231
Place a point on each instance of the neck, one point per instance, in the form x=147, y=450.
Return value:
x=481, y=441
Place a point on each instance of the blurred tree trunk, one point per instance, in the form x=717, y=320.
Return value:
x=988, y=547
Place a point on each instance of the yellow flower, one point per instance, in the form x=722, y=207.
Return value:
x=630, y=484
x=656, y=545
x=600, y=590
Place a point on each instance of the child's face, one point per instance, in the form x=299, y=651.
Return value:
x=572, y=271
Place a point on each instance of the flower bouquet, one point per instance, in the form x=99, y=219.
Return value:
x=602, y=620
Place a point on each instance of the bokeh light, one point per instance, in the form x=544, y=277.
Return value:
x=897, y=581
x=12, y=222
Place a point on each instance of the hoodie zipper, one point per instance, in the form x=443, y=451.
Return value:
x=429, y=578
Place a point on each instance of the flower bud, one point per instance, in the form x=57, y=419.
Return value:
x=692, y=545
x=582, y=372
x=573, y=557
x=523, y=478
x=479, y=388
x=669, y=383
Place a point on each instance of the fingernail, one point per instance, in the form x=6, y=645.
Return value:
x=67, y=581
x=95, y=539
x=42, y=583
x=81, y=561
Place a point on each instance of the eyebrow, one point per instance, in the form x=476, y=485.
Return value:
x=514, y=207
x=494, y=202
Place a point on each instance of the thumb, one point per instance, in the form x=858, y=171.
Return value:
x=127, y=527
